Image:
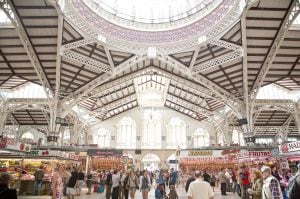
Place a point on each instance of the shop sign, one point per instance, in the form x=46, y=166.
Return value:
x=105, y=152
x=289, y=147
x=254, y=154
x=200, y=153
x=35, y=152
x=285, y=165
x=18, y=146
x=73, y=156
x=230, y=151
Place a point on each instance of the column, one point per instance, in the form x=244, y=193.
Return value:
x=3, y=118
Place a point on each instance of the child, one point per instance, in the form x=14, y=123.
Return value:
x=213, y=181
x=173, y=194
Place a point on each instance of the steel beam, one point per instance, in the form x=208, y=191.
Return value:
x=245, y=73
x=274, y=102
x=84, y=92
x=188, y=105
x=233, y=102
x=79, y=43
x=27, y=101
x=88, y=61
x=196, y=52
x=58, y=75
x=288, y=20
x=226, y=45
x=8, y=8
x=116, y=103
x=217, y=61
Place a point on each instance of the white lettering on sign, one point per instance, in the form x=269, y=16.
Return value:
x=289, y=147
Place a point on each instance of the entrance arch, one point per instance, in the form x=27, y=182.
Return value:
x=150, y=162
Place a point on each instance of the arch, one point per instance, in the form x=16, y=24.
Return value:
x=126, y=133
x=238, y=137
x=221, y=140
x=150, y=162
x=176, y=133
x=101, y=137
x=151, y=133
x=27, y=137
x=201, y=138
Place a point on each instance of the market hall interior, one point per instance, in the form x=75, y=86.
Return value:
x=104, y=97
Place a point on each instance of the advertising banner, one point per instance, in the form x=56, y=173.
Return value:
x=289, y=147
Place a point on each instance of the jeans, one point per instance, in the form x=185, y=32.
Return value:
x=245, y=194
x=108, y=191
x=79, y=186
x=37, y=187
x=223, y=188
x=234, y=187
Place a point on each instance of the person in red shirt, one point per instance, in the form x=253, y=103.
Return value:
x=245, y=183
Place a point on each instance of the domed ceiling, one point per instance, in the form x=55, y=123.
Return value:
x=155, y=23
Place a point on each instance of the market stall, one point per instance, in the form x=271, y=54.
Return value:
x=289, y=154
x=23, y=166
x=210, y=160
x=104, y=159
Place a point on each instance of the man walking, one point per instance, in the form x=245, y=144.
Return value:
x=108, y=184
x=200, y=189
x=271, y=188
x=294, y=185
x=223, y=181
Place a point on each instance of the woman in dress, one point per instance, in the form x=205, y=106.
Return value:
x=57, y=182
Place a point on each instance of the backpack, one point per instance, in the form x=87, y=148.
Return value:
x=292, y=183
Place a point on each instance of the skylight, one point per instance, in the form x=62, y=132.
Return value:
x=152, y=11
x=4, y=20
x=29, y=90
x=296, y=23
x=272, y=91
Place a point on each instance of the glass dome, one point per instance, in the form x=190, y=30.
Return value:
x=152, y=14
x=152, y=11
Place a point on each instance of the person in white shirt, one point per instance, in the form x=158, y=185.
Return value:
x=200, y=189
x=115, y=185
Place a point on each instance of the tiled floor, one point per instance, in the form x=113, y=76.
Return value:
x=180, y=191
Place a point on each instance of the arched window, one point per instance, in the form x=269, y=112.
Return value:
x=201, y=138
x=27, y=135
x=126, y=133
x=238, y=137
x=221, y=139
x=176, y=133
x=102, y=138
x=151, y=137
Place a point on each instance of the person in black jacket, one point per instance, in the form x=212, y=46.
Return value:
x=206, y=177
x=108, y=184
x=188, y=182
x=72, y=183
x=5, y=191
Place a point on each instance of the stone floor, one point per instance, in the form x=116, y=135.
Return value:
x=180, y=190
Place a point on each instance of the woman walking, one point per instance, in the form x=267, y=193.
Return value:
x=145, y=184
x=57, y=182
x=133, y=184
